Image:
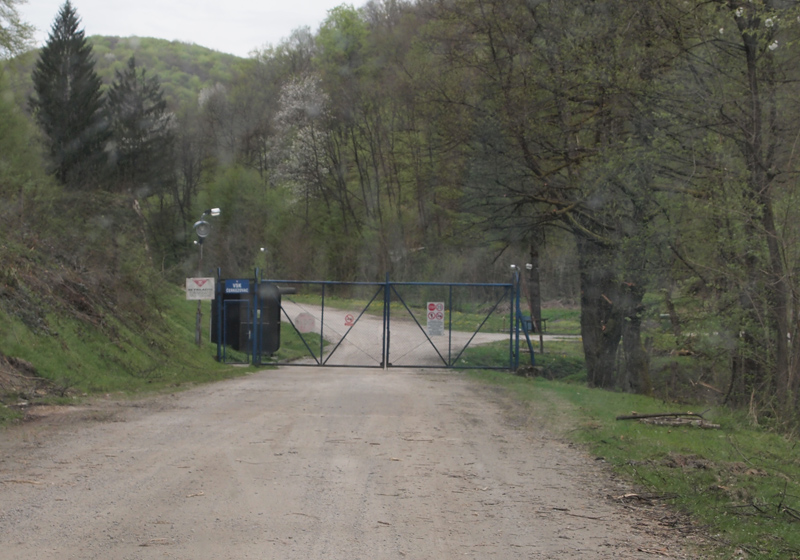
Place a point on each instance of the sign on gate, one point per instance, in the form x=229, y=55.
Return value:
x=200, y=288
x=237, y=286
x=435, y=318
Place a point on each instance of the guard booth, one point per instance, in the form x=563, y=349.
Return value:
x=246, y=320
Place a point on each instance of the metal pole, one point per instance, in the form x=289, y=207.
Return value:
x=198, y=338
x=517, y=319
x=386, y=319
x=220, y=318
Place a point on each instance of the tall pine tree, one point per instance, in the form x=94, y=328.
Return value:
x=68, y=103
x=143, y=137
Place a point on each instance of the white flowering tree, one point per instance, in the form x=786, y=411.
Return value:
x=310, y=157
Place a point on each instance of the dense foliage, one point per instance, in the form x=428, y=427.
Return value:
x=641, y=155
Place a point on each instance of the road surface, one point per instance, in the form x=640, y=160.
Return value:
x=314, y=463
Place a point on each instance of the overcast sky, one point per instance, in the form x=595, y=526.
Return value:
x=231, y=26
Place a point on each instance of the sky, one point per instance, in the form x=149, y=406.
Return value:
x=231, y=26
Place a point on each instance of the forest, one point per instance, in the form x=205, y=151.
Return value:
x=641, y=156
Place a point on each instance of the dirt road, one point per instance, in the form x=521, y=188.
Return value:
x=311, y=463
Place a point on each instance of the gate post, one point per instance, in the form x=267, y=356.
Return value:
x=517, y=314
x=218, y=303
x=386, y=318
x=256, y=319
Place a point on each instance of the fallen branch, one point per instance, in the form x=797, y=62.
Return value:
x=156, y=542
x=677, y=422
x=661, y=415
x=791, y=512
x=672, y=419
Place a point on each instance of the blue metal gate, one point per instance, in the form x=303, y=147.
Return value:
x=399, y=324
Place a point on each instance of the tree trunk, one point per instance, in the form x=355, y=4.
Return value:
x=636, y=377
x=601, y=317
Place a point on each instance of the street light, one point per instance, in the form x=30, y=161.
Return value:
x=202, y=228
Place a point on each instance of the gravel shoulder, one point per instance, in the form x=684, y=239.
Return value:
x=300, y=463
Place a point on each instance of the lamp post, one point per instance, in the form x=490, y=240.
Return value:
x=201, y=228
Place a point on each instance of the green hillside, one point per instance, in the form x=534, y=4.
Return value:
x=183, y=69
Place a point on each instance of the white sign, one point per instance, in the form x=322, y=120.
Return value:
x=200, y=288
x=304, y=322
x=435, y=318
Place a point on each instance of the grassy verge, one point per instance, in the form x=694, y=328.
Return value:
x=76, y=357
x=741, y=484
x=562, y=320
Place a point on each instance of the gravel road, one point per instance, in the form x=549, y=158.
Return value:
x=312, y=463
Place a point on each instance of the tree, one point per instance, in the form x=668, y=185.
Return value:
x=15, y=35
x=20, y=164
x=68, y=103
x=142, y=133
x=737, y=102
x=556, y=97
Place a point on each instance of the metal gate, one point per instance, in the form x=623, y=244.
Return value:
x=399, y=324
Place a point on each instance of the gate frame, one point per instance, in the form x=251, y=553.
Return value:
x=450, y=362
x=324, y=283
x=515, y=324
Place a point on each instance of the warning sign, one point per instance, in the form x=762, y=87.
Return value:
x=435, y=318
x=200, y=288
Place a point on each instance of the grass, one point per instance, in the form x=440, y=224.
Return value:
x=562, y=320
x=292, y=346
x=741, y=484
x=78, y=358
x=562, y=359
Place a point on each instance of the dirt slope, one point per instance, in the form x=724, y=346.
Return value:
x=306, y=463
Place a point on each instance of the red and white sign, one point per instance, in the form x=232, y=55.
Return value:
x=200, y=288
x=435, y=318
x=349, y=320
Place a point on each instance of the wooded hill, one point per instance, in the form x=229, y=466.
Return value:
x=183, y=69
x=640, y=155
